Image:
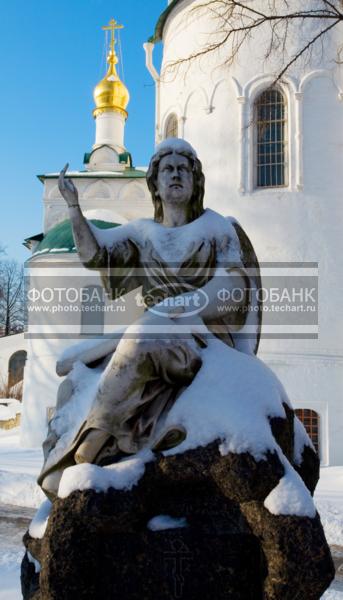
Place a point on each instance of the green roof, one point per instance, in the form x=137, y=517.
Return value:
x=59, y=239
x=158, y=33
x=33, y=238
x=127, y=174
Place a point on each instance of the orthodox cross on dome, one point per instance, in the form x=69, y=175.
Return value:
x=112, y=26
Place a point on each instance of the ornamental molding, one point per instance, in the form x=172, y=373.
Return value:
x=175, y=109
x=259, y=82
x=203, y=93
x=316, y=74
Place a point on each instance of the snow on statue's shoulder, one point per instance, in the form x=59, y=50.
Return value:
x=209, y=225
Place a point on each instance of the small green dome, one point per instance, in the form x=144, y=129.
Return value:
x=59, y=239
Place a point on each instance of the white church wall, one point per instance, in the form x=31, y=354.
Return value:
x=125, y=197
x=40, y=387
x=300, y=222
x=312, y=383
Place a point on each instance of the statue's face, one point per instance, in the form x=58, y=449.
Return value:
x=175, y=179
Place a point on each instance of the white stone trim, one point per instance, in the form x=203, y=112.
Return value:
x=316, y=74
x=195, y=91
x=177, y=111
x=246, y=96
x=321, y=408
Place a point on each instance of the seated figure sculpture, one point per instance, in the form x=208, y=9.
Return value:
x=143, y=375
x=180, y=251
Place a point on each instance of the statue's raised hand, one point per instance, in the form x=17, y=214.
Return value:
x=68, y=189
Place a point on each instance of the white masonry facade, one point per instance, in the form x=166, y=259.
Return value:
x=285, y=189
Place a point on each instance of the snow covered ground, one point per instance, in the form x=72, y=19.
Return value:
x=19, y=468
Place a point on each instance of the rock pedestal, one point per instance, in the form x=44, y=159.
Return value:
x=99, y=545
x=95, y=553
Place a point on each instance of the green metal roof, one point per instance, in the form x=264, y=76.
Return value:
x=127, y=174
x=158, y=33
x=59, y=239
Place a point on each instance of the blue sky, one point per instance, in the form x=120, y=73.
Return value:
x=51, y=57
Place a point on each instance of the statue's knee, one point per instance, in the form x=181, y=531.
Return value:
x=131, y=349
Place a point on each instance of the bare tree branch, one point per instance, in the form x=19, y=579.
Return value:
x=11, y=297
x=238, y=19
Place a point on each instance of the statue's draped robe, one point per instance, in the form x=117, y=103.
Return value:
x=146, y=378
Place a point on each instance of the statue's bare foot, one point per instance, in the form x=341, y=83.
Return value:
x=91, y=446
x=169, y=438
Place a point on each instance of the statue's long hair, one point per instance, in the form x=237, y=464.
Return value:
x=197, y=207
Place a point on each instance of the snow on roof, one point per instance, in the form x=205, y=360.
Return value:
x=9, y=408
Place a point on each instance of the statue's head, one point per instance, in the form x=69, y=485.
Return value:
x=182, y=148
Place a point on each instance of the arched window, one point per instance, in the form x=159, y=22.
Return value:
x=172, y=129
x=92, y=310
x=16, y=366
x=310, y=420
x=271, y=151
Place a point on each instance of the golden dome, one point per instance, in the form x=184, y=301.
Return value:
x=111, y=94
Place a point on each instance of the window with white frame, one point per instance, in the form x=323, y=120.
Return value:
x=271, y=147
x=311, y=421
x=171, y=129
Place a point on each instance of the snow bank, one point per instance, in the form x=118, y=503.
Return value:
x=20, y=490
x=329, y=501
x=9, y=408
x=332, y=595
x=19, y=468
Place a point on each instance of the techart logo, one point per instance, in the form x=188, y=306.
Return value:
x=163, y=303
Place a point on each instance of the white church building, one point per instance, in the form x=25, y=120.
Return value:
x=280, y=176
x=111, y=192
x=282, y=179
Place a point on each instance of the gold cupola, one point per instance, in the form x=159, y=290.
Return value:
x=111, y=95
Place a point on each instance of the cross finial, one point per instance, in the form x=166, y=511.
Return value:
x=112, y=26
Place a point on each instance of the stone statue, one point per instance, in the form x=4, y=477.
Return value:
x=145, y=376
x=244, y=490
